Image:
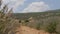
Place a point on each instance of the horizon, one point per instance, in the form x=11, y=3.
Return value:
x=27, y=6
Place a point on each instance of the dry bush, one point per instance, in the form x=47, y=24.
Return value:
x=7, y=23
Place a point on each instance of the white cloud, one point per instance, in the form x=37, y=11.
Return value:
x=36, y=7
x=14, y=3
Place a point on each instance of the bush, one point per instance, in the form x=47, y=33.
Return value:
x=7, y=23
x=51, y=28
x=38, y=26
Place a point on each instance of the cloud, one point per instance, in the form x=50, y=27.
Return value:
x=14, y=3
x=36, y=7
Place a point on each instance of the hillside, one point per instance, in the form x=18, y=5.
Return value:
x=40, y=20
x=47, y=22
x=38, y=14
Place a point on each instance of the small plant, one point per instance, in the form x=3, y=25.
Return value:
x=26, y=20
x=38, y=26
x=52, y=27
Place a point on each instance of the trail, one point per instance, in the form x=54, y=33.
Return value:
x=28, y=30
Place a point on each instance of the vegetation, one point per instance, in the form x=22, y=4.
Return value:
x=47, y=18
x=40, y=20
x=7, y=23
x=38, y=26
x=52, y=27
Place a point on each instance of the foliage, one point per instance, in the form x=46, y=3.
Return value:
x=46, y=17
x=38, y=26
x=51, y=28
x=7, y=23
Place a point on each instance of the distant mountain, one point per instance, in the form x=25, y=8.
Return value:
x=36, y=14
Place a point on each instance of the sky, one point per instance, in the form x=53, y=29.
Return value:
x=25, y=6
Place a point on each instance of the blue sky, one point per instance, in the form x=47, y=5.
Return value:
x=24, y=5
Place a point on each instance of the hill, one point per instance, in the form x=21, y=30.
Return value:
x=38, y=14
x=40, y=20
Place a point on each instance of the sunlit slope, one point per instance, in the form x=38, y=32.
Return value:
x=40, y=20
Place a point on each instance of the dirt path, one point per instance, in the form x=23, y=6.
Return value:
x=28, y=30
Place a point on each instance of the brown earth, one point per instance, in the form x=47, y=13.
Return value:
x=28, y=30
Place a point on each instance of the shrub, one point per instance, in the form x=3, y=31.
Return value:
x=51, y=28
x=7, y=23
